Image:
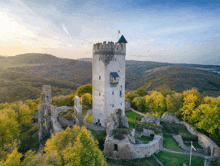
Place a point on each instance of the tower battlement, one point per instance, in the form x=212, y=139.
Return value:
x=109, y=48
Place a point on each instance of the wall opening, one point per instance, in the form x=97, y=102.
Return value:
x=115, y=147
x=152, y=135
x=112, y=92
x=120, y=93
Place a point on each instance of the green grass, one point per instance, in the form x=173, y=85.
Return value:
x=148, y=161
x=170, y=143
x=89, y=119
x=94, y=132
x=196, y=145
x=170, y=159
x=131, y=118
x=131, y=115
x=84, y=113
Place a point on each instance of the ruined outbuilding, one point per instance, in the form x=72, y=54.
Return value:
x=126, y=148
x=48, y=116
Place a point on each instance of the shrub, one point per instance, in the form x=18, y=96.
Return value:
x=120, y=132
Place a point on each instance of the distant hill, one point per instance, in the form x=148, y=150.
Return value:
x=31, y=71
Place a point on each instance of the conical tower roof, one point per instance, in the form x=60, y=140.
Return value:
x=122, y=39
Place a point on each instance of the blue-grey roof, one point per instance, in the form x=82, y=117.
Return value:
x=122, y=39
x=114, y=74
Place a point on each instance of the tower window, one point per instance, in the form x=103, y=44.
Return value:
x=121, y=103
x=99, y=58
x=99, y=94
x=120, y=93
x=115, y=59
x=115, y=147
x=100, y=77
x=112, y=105
x=118, y=70
x=112, y=92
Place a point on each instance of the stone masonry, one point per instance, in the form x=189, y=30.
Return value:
x=108, y=79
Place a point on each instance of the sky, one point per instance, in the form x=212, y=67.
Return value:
x=163, y=31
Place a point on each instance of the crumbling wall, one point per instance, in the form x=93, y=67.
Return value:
x=115, y=120
x=127, y=104
x=151, y=119
x=48, y=116
x=167, y=117
x=78, y=111
x=125, y=150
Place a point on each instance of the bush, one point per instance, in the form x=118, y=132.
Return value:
x=120, y=132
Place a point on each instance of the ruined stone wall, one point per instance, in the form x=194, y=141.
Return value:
x=127, y=150
x=78, y=111
x=167, y=117
x=151, y=119
x=127, y=104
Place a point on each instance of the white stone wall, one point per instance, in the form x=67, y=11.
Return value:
x=106, y=102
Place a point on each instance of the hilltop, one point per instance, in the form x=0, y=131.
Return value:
x=22, y=76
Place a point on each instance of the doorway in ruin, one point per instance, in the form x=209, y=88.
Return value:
x=119, y=117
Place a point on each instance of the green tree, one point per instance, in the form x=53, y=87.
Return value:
x=191, y=100
x=75, y=147
x=84, y=89
x=139, y=103
x=86, y=100
x=155, y=103
x=140, y=92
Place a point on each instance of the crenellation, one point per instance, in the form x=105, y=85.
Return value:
x=110, y=47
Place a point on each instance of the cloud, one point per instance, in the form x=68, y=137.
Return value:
x=64, y=28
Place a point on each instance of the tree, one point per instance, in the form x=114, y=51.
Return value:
x=86, y=100
x=75, y=147
x=84, y=89
x=140, y=92
x=155, y=103
x=139, y=103
x=191, y=100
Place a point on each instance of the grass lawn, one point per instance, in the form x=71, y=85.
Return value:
x=131, y=118
x=170, y=159
x=93, y=132
x=89, y=119
x=84, y=113
x=196, y=145
x=170, y=143
x=149, y=161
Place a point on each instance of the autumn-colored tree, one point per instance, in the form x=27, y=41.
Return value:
x=67, y=100
x=174, y=103
x=84, y=89
x=75, y=147
x=139, y=103
x=206, y=117
x=32, y=104
x=191, y=100
x=86, y=100
x=140, y=92
x=155, y=103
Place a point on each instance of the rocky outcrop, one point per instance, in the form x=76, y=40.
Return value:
x=167, y=117
x=151, y=119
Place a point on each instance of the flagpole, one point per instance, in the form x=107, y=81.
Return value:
x=190, y=154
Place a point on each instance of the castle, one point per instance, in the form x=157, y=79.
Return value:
x=108, y=79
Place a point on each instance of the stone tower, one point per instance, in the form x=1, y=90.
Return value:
x=108, y=79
